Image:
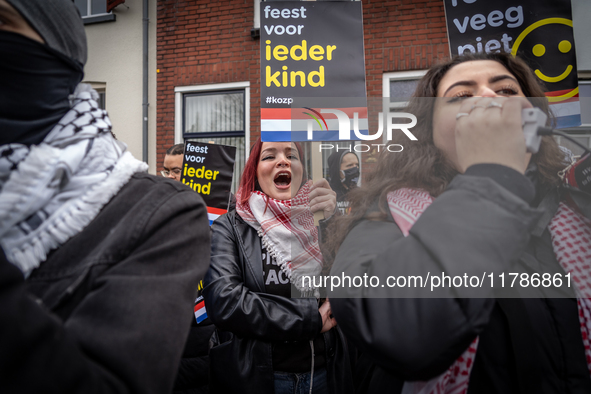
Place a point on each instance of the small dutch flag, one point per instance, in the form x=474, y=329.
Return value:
x=200, y=313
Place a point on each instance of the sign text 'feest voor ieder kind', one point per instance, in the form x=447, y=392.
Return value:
x=311, y=50
x=208, y=169
x=538, y=31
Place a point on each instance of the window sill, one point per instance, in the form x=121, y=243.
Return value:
x=89, y=20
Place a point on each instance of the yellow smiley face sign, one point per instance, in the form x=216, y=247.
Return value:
x=554, y=56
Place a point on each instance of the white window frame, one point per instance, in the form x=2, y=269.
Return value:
x=89, y=9
x=179, y=91
x=257, y=14
x=399, y=76
x=101, y=89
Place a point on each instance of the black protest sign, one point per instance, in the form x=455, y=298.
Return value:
x=538, y=31
x=208, y=169
x=311, y=49
x=308, y=49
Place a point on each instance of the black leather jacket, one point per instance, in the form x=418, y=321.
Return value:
x=248, y=319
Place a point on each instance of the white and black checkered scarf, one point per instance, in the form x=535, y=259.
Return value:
x=51, y=191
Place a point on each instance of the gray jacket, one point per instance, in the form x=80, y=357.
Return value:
x=481, y=223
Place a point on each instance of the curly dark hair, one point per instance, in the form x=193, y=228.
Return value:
x=423, y=165
x=177, y=149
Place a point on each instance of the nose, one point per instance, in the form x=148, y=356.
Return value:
x=283, y=162
x=486, y=91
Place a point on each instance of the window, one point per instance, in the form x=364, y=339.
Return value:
x=399, y=86
x=102, y=101
x=93, y=11
x=217, y=114
x=101, y=89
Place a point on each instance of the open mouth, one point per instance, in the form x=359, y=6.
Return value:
x=282, y=179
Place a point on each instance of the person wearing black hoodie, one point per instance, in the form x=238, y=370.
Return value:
x=343, y=175
x=96, y=279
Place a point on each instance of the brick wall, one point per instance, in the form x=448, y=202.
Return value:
x=204, y=42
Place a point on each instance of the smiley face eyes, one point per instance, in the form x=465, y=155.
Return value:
x=539, y=50
x=564, y=46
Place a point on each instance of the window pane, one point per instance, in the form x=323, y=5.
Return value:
x=102, y=102
x=99, y=7
x=82, y=7
x=238, y=142
x=402, y=89
x=214, y=112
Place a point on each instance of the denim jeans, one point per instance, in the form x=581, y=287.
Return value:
x=299, y=383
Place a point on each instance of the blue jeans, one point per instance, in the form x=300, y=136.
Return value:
x=299, y=383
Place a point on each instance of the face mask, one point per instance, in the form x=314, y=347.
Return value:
x=35, y=82
x=351, y=176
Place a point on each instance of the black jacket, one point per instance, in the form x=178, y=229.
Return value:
x=248, y=320
x=107, y=312
x=193, y=375
x=526, y=345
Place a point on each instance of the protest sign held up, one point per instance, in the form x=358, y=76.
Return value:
x=538, y=31
x=208, y=169
x=311, y=50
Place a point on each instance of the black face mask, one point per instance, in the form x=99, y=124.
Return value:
x=35, y=82
x=351, y=177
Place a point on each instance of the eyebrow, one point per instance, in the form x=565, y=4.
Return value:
x=494, y=79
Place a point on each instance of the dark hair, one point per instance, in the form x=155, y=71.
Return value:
x=423, y=165
x=249, y=182
x=177, y=149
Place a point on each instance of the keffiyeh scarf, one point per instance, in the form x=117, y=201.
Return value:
x=287, y=231
x=571, y=242
x=51, y=191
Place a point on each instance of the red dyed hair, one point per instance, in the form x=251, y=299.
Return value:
x=249, y=175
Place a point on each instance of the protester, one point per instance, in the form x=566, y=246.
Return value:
x=95, y=277
x=193, y=374
x=343, y=175
x=266, y=341
x=173, y=162
x=466, y=197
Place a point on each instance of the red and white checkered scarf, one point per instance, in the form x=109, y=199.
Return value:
x=571, y=241
x=287, y=231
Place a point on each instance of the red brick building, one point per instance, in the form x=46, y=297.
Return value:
x=207, y=50
x=209, y=64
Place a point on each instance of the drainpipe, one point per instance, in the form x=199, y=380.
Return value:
x=145, y=103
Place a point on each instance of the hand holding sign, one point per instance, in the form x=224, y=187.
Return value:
x=322, y=198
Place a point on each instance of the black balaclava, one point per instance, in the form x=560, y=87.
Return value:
x=36, y=79
x=334, y=173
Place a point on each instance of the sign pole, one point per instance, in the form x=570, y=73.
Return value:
x=317, y=174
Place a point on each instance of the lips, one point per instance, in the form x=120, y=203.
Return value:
x=282, y=179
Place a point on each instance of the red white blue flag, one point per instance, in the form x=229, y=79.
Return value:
x=199, y=310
